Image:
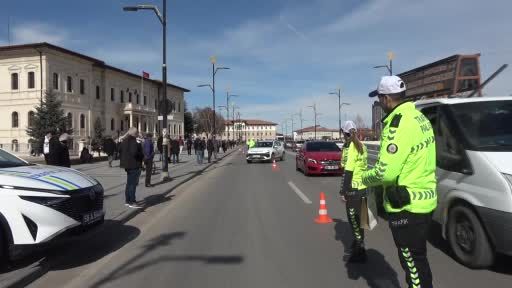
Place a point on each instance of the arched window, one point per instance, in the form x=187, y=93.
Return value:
x=112, y=124
x=130, y=97
x=122, y=125
x=82, y=121
x=31, y=118
x=145, y=126
x=14, y=81
x=97, y=92
x=14, y=120
x=69, y=122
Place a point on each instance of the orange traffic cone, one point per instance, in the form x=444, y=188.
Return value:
x=323, y=217
x=274, y=166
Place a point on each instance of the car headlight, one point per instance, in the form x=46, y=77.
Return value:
x=312, y=161
x=45, y=201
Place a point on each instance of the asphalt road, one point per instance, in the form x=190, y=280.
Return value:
x=247, y=225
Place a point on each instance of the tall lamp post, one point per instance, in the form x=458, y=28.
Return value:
x=228, y=96
x=213, y=60
x=164, y=112
x=316, y=114
x=391, y=56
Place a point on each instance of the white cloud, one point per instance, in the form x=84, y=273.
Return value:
x=32, y=32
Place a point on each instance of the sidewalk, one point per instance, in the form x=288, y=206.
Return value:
x=114, y=181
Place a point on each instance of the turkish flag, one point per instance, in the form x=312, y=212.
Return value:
x=145, y=75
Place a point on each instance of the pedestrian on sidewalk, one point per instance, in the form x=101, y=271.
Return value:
x=216, y=147
x=50, y=145
x=202, y=148
x=224, y=146
x=131, y=160
x=149, y=154
x=197, y=143
x=109, y=146
x=182, y=144
x=159, y=146
x=62, y=152
x=189, y=145
x=210, y=147
x=175, y=150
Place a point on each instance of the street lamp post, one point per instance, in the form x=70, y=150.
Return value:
x=314, y=111
x=338, y=92
x=228, y=96
x=163, y=21
x=391, y=56
x=213, y=60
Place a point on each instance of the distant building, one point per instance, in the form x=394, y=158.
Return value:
x=308, y=133
x=244, y=129
x=90, y=91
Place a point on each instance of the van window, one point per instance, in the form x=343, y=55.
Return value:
x=449, y=149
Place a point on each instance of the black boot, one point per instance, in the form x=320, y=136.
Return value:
x=357, y=255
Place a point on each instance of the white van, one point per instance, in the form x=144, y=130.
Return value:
x=474, y=160
x=38, y=203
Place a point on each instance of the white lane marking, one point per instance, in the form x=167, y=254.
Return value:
x=299, y=193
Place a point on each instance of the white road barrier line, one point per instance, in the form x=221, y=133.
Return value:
x=298, y=192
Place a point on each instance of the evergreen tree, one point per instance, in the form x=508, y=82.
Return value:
x=188, y=122
x=97, y=141
x=48, y=116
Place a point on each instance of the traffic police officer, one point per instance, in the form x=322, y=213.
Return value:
x=406, y=169
x=352, y=190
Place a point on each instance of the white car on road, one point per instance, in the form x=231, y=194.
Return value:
x=266, y=151
x=38, y=203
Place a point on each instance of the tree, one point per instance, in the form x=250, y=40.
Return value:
x=49, y=117
x=97, y=141
x=359, y=121
x=203, y=119
x=188, y=122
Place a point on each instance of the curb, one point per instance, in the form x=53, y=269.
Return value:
x=40, y=268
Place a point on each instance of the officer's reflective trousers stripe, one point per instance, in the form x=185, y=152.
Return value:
x=410, y=232
x=353, y=207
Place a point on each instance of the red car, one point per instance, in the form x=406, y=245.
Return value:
x=319, y=158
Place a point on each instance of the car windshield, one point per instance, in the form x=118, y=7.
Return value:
x=486, y=125
x=264, y=144
x=322, y=147
x=8, y=160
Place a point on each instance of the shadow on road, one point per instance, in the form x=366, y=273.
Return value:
x=377, y=272
x=131, y=266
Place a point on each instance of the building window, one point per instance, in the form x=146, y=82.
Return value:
x=31, y=80
x=145, y=100
x=145, y=126
x=122, y=125
x=14, y=119
x=179, y=106
x=155, y=103
x=97, y=92
x=14, y=81
x=82, y=121
x=55, y=81
x=70, y=120
x=122, y=96
x=138, y=98
x=82, y=86
x=112, y=124
x=112, y=95
x=31, y=118
x=69, y=84
x=130, y=97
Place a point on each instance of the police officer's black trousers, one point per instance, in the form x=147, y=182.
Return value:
x=353, y=207
x=410, y=232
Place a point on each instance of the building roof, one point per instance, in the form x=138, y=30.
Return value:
x=95, y=61
x=312, y=129
x=252, y=122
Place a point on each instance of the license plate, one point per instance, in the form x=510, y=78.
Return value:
x=331, y=167
x=92, y=217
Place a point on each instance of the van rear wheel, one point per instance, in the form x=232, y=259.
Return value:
x=468, y=239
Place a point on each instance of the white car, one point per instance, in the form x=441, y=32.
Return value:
x=38, y=203
x=266, y=151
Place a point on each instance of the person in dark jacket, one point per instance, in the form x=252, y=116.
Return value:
x=159, y=146
x=211, y=148
x=175, y=151
x=85, y=156
x=189, y=146
x=149, y=153
x=131, y=160
x=109, y=146
x=51, y=147
x=62, y=152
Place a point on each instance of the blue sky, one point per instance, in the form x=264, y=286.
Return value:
x=284, y=54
